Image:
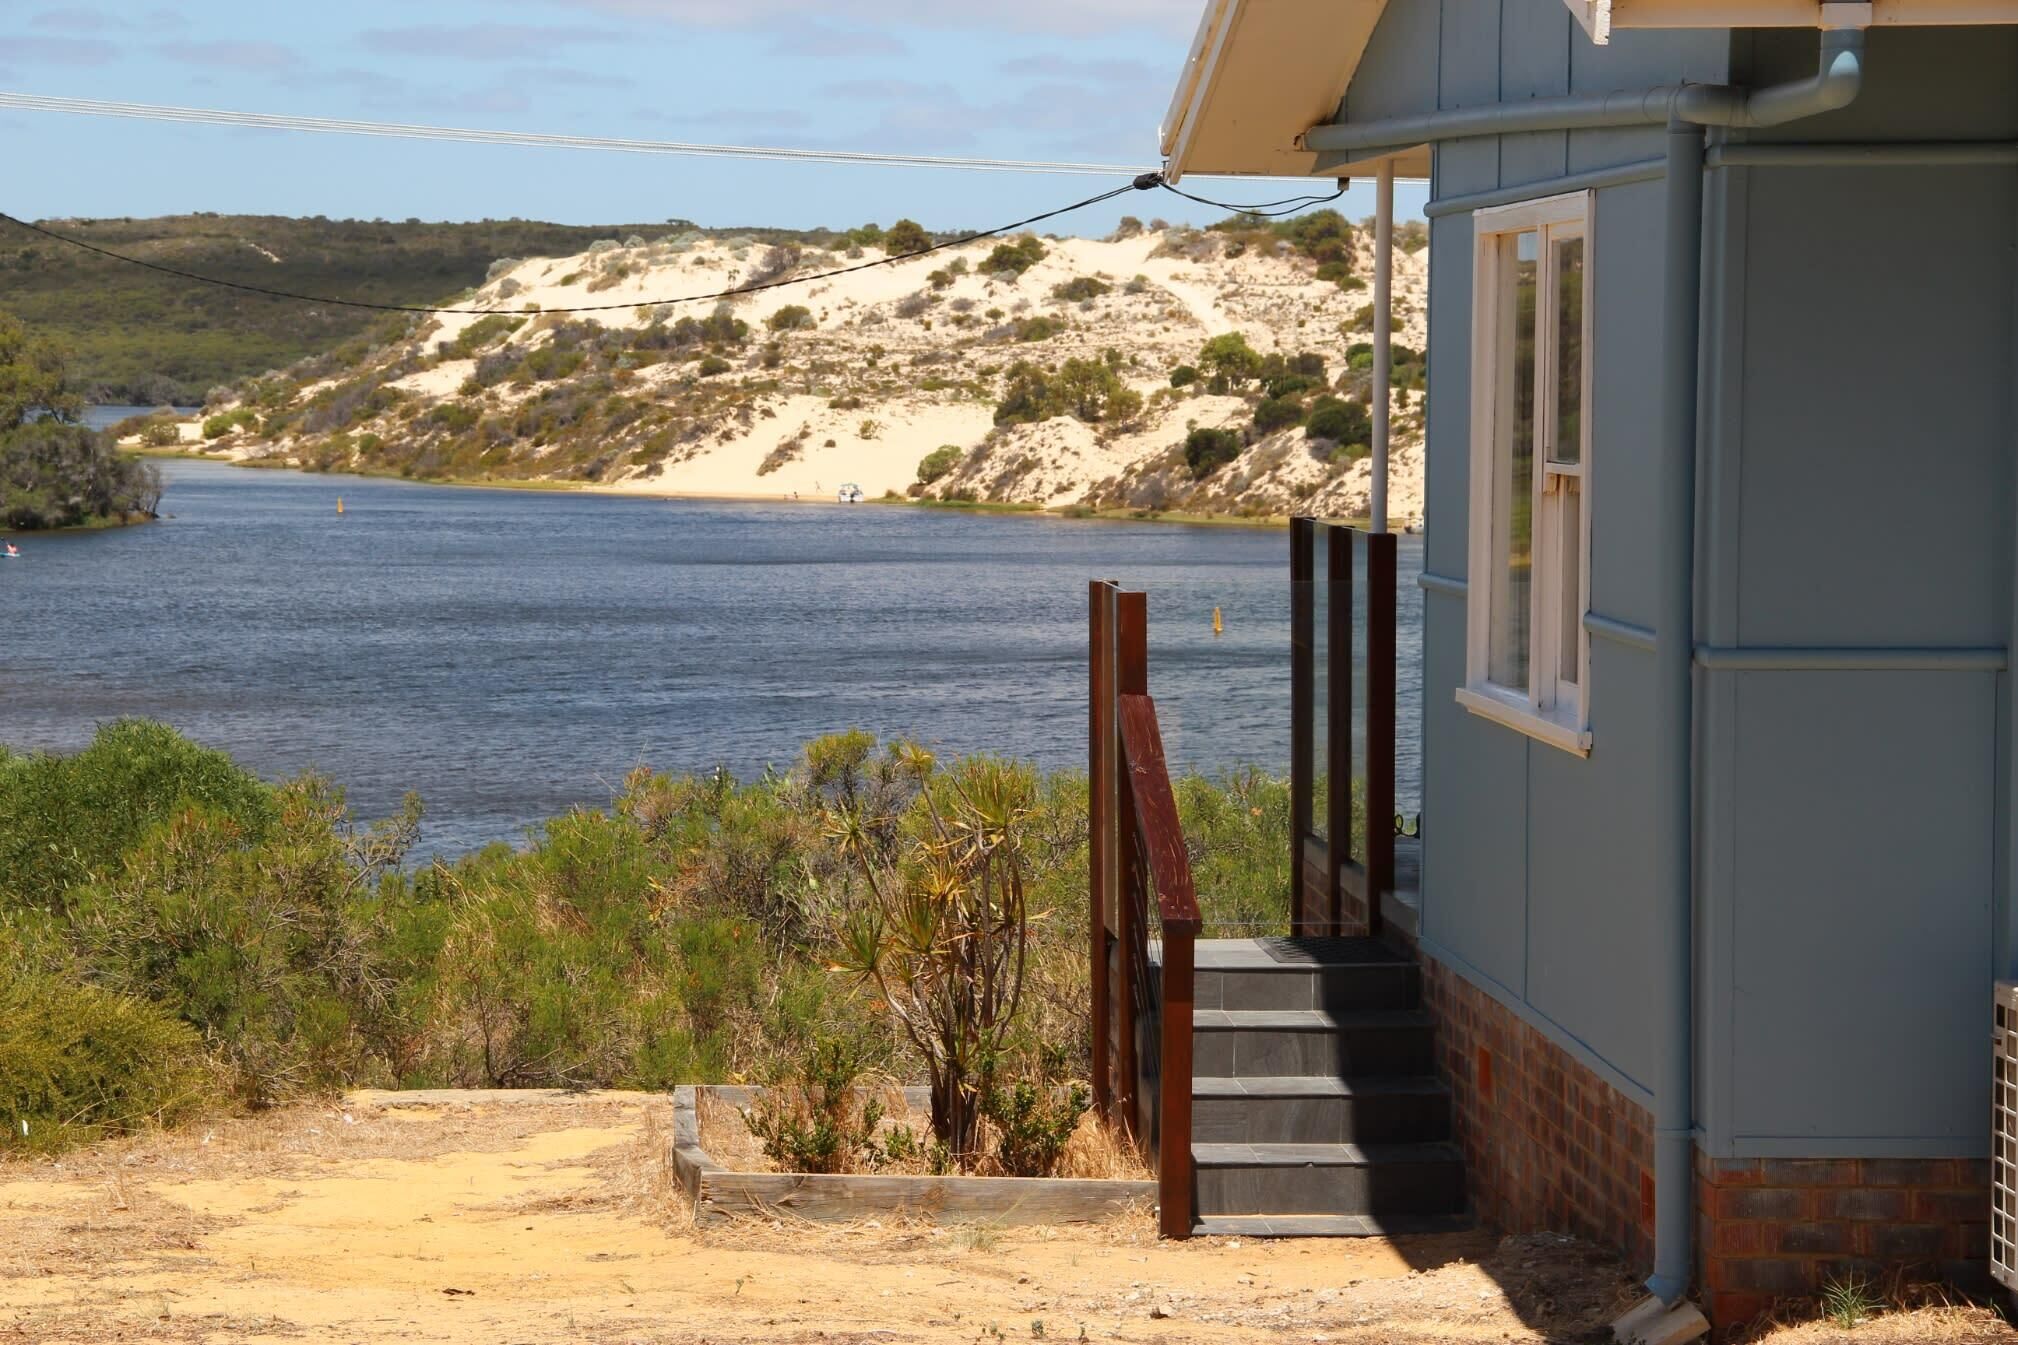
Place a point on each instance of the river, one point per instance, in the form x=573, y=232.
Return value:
x=510, y=654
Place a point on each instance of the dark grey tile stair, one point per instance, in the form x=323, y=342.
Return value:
x=1328, y=1179
x=1328, y=1225
x=1319, y=1109
x=1244, y=1043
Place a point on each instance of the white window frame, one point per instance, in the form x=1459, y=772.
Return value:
x=1552, y=708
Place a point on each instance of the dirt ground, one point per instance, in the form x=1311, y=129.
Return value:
x=493, y=1219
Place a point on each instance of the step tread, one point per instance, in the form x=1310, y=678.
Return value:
x=1253, y=955
x=1327, y=1225
x=1305, y=1020
x=1320, y=1085
x=1323, y=1155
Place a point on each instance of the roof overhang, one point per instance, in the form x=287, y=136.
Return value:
x=1260, y=74
x=1601, y=18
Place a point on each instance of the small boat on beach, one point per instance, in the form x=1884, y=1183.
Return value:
x=849, y=493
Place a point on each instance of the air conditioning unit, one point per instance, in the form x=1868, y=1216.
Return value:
x=2004, y=1139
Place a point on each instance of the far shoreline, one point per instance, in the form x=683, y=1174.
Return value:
x=1072, y=513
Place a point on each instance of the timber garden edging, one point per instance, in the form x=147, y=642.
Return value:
x=719, y=1193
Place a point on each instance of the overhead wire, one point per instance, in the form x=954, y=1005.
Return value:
x=92, y=107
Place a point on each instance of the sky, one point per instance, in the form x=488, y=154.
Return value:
x=1075, y=80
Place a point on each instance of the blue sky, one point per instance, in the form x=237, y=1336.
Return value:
x=1081, y=80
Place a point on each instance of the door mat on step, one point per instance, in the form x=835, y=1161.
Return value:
x=1317, y=952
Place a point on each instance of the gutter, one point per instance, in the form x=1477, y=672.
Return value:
x=1685, y=109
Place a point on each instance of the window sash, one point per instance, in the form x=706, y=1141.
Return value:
x=1526, y=638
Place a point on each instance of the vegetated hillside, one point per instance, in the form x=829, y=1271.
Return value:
x=1223, y=370
x=142, y=337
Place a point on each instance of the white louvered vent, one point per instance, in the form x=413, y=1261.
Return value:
x=2004, y=1140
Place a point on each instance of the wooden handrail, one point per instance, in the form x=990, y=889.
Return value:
x=1156, y=817
x=1138, y=848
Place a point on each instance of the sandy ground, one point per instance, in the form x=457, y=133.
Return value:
x=493, y=1219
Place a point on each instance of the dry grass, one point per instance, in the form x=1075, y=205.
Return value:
x=1903, y=1311
x=1093, y=1152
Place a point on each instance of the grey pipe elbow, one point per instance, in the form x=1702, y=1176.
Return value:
x=1838, y=79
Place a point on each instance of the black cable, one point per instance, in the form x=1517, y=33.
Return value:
x=1288, y=205
x=1137, y=185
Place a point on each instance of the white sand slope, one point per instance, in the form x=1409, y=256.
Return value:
x=888, y=364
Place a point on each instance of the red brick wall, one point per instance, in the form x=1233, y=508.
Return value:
x=1549, y=1145
x=1771, y=1228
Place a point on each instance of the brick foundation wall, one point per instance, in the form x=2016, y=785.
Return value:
x=1549, y=1145
x=1772, y=1228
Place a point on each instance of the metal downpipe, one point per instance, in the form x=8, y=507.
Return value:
x=1673, y=849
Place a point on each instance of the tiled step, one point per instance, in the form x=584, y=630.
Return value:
x=1275, y=1180
x=1339, y=975
x=1328, y=1225
x=1245, y=1044
x=1319, y=1110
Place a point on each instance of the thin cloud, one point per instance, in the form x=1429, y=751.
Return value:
x=1043, y=16
x=86, y=19
x=743, y=119
x=827, y=41
x=62, y=51
x=1066, y=67
x=483, y=41
x=241, y=56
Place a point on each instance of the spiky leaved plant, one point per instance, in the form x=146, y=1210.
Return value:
x=944, y=935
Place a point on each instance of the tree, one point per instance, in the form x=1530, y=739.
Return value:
x=906, y=236
x=1229, y=360
x=55, y=473
x=34, y=378
x=944, y=938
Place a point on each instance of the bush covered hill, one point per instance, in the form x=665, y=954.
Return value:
x=1222, y=370
x=144, y=338
x=55, y=472
x=189, y=936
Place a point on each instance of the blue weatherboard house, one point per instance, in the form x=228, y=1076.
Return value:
x=1716, y=879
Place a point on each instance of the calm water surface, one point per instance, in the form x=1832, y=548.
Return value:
x=511, y=654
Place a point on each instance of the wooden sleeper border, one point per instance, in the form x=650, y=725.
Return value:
x=719, y=1193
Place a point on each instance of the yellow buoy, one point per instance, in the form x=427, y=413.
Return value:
x=339, y=504
x=1218, y=626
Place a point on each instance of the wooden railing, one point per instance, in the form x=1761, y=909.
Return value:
x=1342, y=617
x=1138, y=866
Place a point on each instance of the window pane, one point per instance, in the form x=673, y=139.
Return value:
x=1514, y=485
x=1573, y=576
x=1569, y=280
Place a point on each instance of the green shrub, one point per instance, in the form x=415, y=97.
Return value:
x=1359, y=355
x=1033, y=1123
x=1183, y=376
x=905, y=238
x=1014, y=258
x=1229, y=360
x=1039, y=328
x=1079, y=289
x=455, y=417
x=1293, y=385
x=1343, y=423
x=1275, y=413
x=161, y=433
x=812, y=1118
x=485, y=331
x=1207, y=450
x=223, y=423
x=70, y=820
x=78, y=1063
x=1088, y=389
x=938, y=462
x=711, y=365
x=790, y=318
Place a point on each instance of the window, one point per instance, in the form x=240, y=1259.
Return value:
x=1528, y=657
